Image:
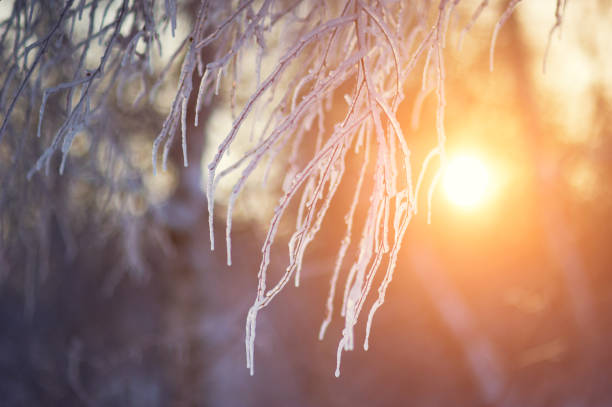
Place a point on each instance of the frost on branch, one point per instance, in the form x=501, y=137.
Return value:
x=371, y=48
x=64, y=70
x=101, y=47
x=295, y=59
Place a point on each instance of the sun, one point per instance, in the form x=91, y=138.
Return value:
x=466, y=181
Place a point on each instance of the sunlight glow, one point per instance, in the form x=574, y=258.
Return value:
x=466, y=181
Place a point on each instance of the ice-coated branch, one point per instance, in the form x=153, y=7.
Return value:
x=325, y=79
x=374, y=48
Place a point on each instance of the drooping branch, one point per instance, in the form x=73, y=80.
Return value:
x=305, y=55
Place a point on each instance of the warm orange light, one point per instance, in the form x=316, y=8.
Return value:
x=466, y=181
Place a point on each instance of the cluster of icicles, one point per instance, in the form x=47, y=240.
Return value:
x=374, y=46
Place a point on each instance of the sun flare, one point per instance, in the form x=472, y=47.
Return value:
x=466, y=181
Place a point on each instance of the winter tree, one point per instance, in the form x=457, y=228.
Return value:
x=314, y=90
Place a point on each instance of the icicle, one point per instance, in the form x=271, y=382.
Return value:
x=184, y=130
x=498, y=27
x=339, y=356
x=218, y=82
x=469, y=26
x=200, y=95
x=406, y=217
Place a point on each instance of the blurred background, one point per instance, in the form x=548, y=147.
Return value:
x=109, y=294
